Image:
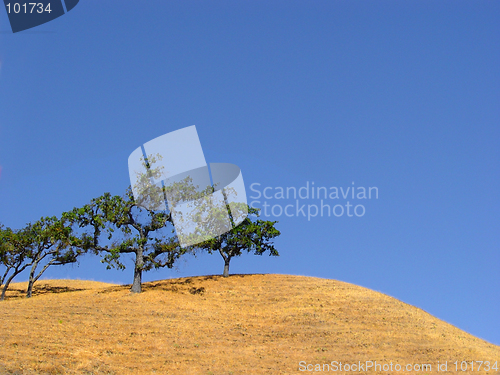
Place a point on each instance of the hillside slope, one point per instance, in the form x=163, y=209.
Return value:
x=244, y=324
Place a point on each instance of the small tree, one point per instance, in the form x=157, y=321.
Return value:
x=250, y=235
x=48, y=239
x=15, y=249
x=53, y=242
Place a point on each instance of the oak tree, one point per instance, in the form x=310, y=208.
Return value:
x=119, y=226
x=251, y=235
x=52, y=243
x=14, y=255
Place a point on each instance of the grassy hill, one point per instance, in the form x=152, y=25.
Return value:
x=244, y=324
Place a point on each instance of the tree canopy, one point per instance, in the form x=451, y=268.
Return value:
x=117, y=226
x=141, y=224
x=251, y=235
x=46, y=242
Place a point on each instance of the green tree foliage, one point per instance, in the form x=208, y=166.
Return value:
x=47, y=242
x=137, y=225
x=52, y=243
x=117, y=226
x=14, y=255
x=251, y=235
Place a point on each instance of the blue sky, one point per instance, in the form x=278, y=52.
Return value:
x=402, y=96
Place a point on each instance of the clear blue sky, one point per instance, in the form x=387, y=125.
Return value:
x=403, y=96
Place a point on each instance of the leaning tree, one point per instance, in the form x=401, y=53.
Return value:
x=39, y=245
x=15, y=249
x=52, y=243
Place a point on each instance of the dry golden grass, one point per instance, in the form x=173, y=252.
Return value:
x=244, y=324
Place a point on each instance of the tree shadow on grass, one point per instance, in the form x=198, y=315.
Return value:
x=16, y=293
x=182, y=285
x=46, y=288
x=170, y=285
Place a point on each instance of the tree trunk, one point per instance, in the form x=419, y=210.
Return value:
x=139, y=263
x=5, y=275
x=2, y=297
x=29, y=291
x=4, y=289
x=17, y=271
x=31, y=280
x=227, y=259
x=226, y=267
